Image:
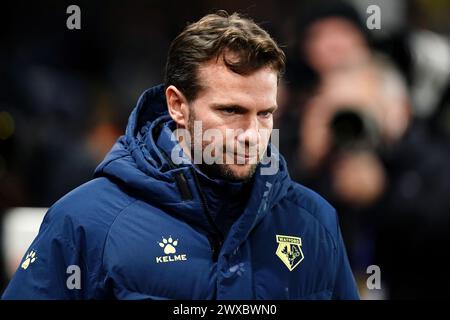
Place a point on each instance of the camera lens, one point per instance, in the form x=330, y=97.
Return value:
x=350, y=130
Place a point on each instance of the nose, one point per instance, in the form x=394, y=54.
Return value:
x=250, y=135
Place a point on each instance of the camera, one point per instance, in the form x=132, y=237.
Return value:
x=353, y=130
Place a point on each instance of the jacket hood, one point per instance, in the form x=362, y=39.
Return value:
x=139, y=163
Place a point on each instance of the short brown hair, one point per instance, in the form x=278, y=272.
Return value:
x=211, y=37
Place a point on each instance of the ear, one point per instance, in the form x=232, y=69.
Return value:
x=177, y=106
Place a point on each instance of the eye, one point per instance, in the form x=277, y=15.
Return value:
x=265, y=114
x=229, y=111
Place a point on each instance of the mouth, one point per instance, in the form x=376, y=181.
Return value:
x=245, y=158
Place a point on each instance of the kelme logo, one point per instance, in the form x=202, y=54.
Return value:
x=169, y=247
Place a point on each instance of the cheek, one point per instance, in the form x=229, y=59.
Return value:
x=212, y=120
x=266, y=129
x=203, y=117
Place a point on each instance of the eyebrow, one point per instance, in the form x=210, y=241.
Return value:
x=240, y=108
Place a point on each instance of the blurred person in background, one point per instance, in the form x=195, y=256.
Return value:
x=415, y=224
x=359, y=143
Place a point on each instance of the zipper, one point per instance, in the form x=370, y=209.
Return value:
x=216, y=237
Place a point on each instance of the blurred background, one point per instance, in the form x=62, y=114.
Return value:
x=364, y=116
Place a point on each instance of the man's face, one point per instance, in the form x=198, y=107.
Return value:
x=240, y=107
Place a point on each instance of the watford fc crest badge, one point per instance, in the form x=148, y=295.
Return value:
x=290, y=251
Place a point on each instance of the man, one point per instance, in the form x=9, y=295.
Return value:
x=160, y=222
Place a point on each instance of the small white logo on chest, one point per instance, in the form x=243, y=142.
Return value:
x=169, y=246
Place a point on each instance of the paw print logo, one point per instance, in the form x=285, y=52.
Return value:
x=30, y=258
x=168, y=245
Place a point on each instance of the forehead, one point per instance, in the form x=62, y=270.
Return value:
x=221, y=85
